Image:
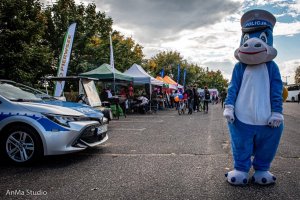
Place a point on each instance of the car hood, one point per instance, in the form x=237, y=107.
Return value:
x=48, y=108
x=82, y=108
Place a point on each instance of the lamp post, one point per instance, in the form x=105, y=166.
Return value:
x=286, y=77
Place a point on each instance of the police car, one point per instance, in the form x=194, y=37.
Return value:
x=33, y=124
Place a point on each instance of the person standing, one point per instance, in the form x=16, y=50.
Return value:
x=104, y=95
x=223, y=97
x=176, y=99
x=196, y=99
x=206, y=99
x=109, y=94
x=190, y=96
x=172, y=99
x=130, y=91
x=299, y=98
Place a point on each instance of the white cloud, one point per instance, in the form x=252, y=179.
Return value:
x=288, y=68
x=212, y=45
x=204, y=32
x=293, y=8
x=288, y=29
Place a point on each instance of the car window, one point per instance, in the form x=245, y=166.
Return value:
x=19, y=92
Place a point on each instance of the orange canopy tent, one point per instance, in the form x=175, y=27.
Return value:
x=171, y=81
x=170, y=85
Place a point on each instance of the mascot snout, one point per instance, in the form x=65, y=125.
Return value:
x=255, y=51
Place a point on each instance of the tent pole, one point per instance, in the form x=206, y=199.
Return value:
x=114, y=85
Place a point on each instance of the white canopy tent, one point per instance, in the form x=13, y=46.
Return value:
x=141, y=77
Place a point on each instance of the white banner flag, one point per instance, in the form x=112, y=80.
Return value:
x=112, y=63
x=64, y=59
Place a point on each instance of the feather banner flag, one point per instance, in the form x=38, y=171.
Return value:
x=178, y=73
x=184, y=76
x=64, y=59
x=162, y=72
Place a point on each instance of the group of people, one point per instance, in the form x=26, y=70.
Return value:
x=196, y=101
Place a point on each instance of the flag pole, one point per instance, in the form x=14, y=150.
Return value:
x=178, y=74
x=112, y=64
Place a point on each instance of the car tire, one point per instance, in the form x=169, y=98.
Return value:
x=21, y=144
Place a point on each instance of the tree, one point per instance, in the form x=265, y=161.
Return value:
x=126, y=52
x=24, y=54
x=213, y=79
x=91, y=46
x=167, y=60
x=195, y=74
x=91, y=25
x=31, y=38
x=297, y=75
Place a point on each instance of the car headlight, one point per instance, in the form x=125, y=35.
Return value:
x=62, y=119
x=104, y=120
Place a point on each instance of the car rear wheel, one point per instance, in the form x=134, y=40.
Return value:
x=21, y=144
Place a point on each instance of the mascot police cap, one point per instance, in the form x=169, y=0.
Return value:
x=255, y=20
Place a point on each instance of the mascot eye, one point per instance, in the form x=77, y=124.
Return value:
x=246, y=37
x=263, y=37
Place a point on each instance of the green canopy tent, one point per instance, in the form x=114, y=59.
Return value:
x=106, y=73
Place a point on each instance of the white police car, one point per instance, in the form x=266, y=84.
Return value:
x=33, y=124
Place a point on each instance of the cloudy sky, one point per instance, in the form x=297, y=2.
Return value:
x=204, y=32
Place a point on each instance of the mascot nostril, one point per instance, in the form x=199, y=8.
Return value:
x=256, y=80
x=257, y=45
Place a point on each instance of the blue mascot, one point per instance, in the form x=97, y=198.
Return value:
x=253, y=107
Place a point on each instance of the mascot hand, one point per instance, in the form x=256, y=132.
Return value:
x=229, y=113
x=275, y=120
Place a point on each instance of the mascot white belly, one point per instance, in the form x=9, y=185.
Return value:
x=253, y=104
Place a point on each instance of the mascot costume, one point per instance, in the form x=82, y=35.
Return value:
x=253, y=106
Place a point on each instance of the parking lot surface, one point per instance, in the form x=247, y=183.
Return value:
x=157, y=156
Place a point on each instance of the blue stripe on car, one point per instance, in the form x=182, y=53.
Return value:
x=47, y=124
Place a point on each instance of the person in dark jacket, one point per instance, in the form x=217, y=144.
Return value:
x=206, y=99
x=104, y=95
x=223, y=97
x=190, y=95
x=196, y=99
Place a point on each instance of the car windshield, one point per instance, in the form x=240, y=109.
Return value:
x=18, y=92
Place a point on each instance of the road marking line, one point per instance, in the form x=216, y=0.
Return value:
x=127, y=129
x=150, y=116
x=151, y=154
x=158, y=121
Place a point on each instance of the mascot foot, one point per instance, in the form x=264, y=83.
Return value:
x=236, y=177
x=263, y=178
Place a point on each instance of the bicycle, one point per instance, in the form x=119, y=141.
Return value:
x=201, y=106
x=181, y=107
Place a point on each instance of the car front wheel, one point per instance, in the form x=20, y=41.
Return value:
x=21, y=144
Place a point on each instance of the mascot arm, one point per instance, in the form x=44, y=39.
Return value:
x=276, y=89
x=235, y=84
x=233, y=90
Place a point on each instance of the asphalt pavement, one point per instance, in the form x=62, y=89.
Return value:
x=157, y=156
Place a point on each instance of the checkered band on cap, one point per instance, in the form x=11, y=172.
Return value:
x=257, y=19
